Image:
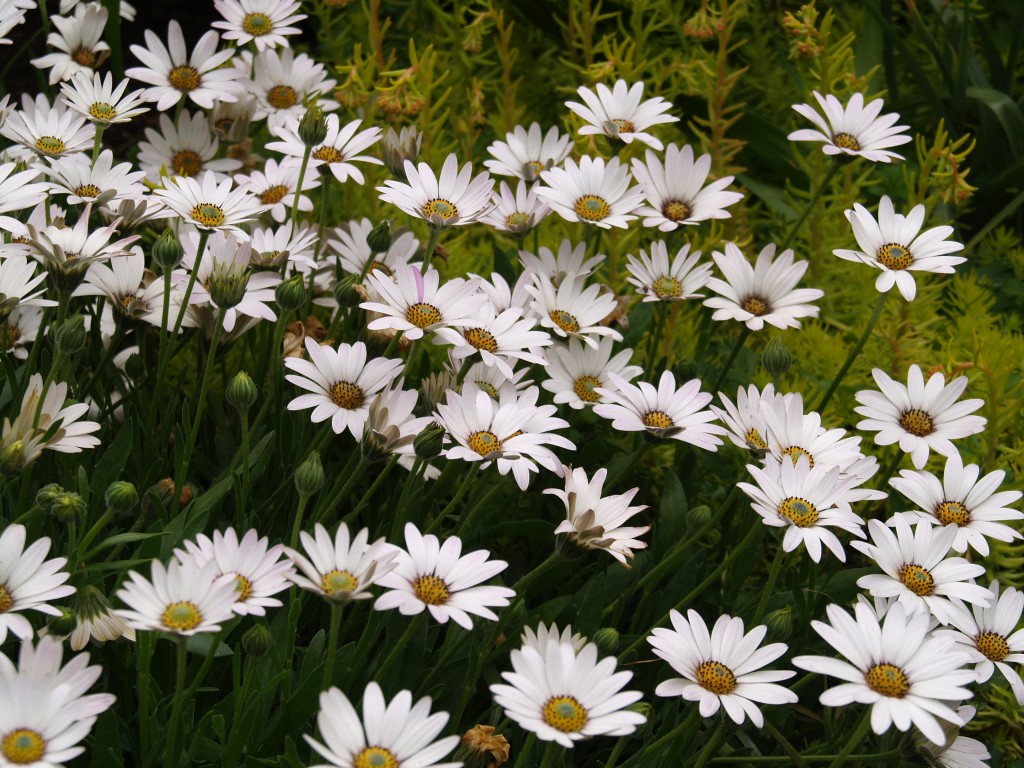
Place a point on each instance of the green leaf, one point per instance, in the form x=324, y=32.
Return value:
x=109, y=468
x=199, y=644
x=1007, y=112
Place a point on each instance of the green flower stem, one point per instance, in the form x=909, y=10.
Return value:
x=470, y=515
x=332, y=646
x=204, y=235
x=298, y=186
x=377, y=482
x=400, y=648
x=854, y=353
x=293, y=540
x=233, y=748
x=769, y=585
x=97, y=144
x=731, y=359
x=172, y=757
x=467, y=481
x=680, y=548
x=346, y=489
x=688, y=726
x=613, y=758
x=526, y=751
x=246, y=479
x=419, y=467
x=205, y=666
x=634, y=459
x=813, y=201
x=93, y=532
x=435, y=235
x=520, y=586
x=853, y=741
x=325, y=183
x=145, y=658
x=661, y=312
x=714, y=743
x=550, y=753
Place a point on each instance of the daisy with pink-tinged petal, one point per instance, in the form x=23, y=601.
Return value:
x=342, y=567
x=721, y=668
x=594, y=521
x=573, y=309
x=656, y=280
x=455, y=199
x=665, y=411
x=340, y=383
x=744, y=419
x=618, y=112
x=516, y=212
x=764, y=293
x=28, y=581
x=856, y=130
x=595, y=192
x=526, y=152
x=209, y=205
x=675, y=192
x=917, y=570
x=893, y=245
x=440, y=579
x=266, y=23
x=920, y=417
x=908, y=675
x=577, y=370
x=962, y=500
x=341, y=147
x=570, y=259
x=55, y=424
x=502, y=338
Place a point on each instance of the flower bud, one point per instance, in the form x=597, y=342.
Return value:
x=67, y=506
x=167, y=251
x=309, y=477
x=71, y=335
x=46, y=495
x=481, y=748
x=313, y=126
x=63, y=625
x=257, y=642
x=776, y=359
x=607, y=639
x=163, y=490
x=12, y=459
x=397, y=148
x=780, y=622
x=135, y=367
x=379, y=238
x=700, y=515
x=121, y=496
x=647, y=710
x=290, y=294
x=428, y=443
x=227, y=289
x=685, y=370
x=241, y=392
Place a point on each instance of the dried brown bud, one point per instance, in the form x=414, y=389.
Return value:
x=481, y=748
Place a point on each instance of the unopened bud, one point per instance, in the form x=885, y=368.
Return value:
x=67, y=506
x=163, y=490
x=121, y=496
x=607, y=639
x=290, y=294
x=780, y=622
x=228, y=288
x=647, y=710
x=257, y=641
x=135, y=367
x=397, y=148
x=12, y=459
x=429, y=442
x=700, y=515
x=71, y=335
x=46, y=495
x=241, y=392
x=482, y=748
x=776, y=359
x=309, y=477
x=685, y=370
x=379, y=239
x=63, y=625
x=167, y=251
x=313, y=126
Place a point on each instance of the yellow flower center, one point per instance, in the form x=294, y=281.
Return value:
x=667, y=287
x=423, y=315
x=481, y=339
x=339, y=582
x=592, y=208
x=102, y=111
x=676, y=210
x=846, y=141
x=376, y=757
x=328, y=155
x=379, y=266
x=431, y=589
x=565, y=714
x=584, y=388
x=186, y=163
x=716, y=677
x=88, y=190
x=182, y=616
x=6, y=597
x=184, y=78
x=625, y=126
x=564, y=320
x=257, y=24
x=208, y=215
x=756, y=306
x=484, y=442
x=487, y=387
x=23, y=747
x=517, y=219
x=753, y=437
x=658, y=420
x=439, y=207
x=274, y=195
x=799, y=512
x=917, y=579
x=534, y=166
x=282, y=97
x=888, y=680
x=993, y=646
x=84, y=57
x=952, y=513
x=347, y=395
x=795, y=452
x=894, y=256
x=243, y=587
x=51, y=145
x=917, y=422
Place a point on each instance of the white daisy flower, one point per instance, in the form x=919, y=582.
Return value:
x=764, y=293
x=187, y=148
x=575, y=371
x=988, y=636
x=95, y=620
x=573, y=309
x=594, y=521
x=856, y=130
x=959, y=751
x=594, y=192
x=744, y=420
x=20, y=286
x=893, y=245
x=209, y=205
x=962, y=500
x=28, y=581
x=19, y=190
x=721, y=668
x=356, y=256
x=916, y=569
x=502, y=296
x=95, y=98
x=83, y=181
x=339, y=383
x=48, y=131
x=174, y=75
x=388, y=735
x=132, y=293
x=272, y=247
x=570, y=259
x=391, y=427
x=488, y=379
x=341, y=568
x=79, y=43
x=525, y=152
x=66, y=6
x=258, y=568
x=675, y=192
x=565, y=695
x=274, y=186
x=341, y=147
x=790, y=433
x=181, y=599
x=263, y=22
x=22, y=329
x=920, y=417
x=517, y=212
x=619, y=113
x=453, y=199
x=67, y=252
x=439, y=578
x=10, y=17
x=502, y=338
x=285, y=84
x=806, y=502
x=656, y=280
x=538, y=639
x=906, y=674
x=665, y=412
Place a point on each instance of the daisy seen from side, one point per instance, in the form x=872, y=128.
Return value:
x=526, y=152
x=856, y=130
x=619, y=112
x=95, y=97
x=28, y=581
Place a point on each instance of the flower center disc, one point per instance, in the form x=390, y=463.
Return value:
x=432, y=590
x=487, y=387
x=716, y=677
x=84, y=56
x=208, y=215
x=534, y=169
x=51, y=145
x=846, y=141
x=6, y=598
x=257, y=24
x=584, y=388
x=894, y=256
x=328, y=155
x=481, y=339
x=676, y=210
x=667, y=287
x=484, y=442
x=182, y=616
x=186, y=163
x=23, y=747
x=347, y=395
x=282, y=97
x=565, y=714
x=184, y=78
x=795, y=452
x=88, y=190
x=658, y=420
x=592, y=208
x=993, y=646
x=102, y=111
x=887, y=680
x=339, y=582
x=517, y=220
x=564, y=320
x=439, y=207
x=756, y=306
x=952, y=513
x=753, y=438
x=274, y=195
x=799, y=512
x=917, y=422
x=380, y=267
x=243, y=587
x=423, y=315
x=624, y=126
x=917, y=579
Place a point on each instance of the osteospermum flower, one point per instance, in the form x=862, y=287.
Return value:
x=391, y=428
x=538, y=638
x=357, y=258
x=285, y=84
x=439, y=578
x=764, y=293
x=526, y=152
x=565, y=694
x=664, y=411
x=920, y=417
x=502, y=338
x=516, y=212
x=857, y=130
x=398, y=733
x=619, y=113
x=340, y=383
x=79, y=44
x=275, y=185
x=209, y=205
x=721, y=668
x=575, y=371
x=594, y=521
x=28, y=581
x=185, y=147
x=95, y=620
x=675, y=192
x=262, y=22
x=569, y=260
x=789, y=433
x=95, y=97
x=962, y=500
x=893, y=245
x=453, y=199
x=342, y=146
x=744, y=420
x=48, y=131
x=959, y=751
x=85, y=181
x=132, y=295
x=594, y=192
x=573, y=309
x=18, y=190
x=906, y=674
x=916, y=569
x=657, y=280
x=181, y=598
x=344, y=567
x=20, y=286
